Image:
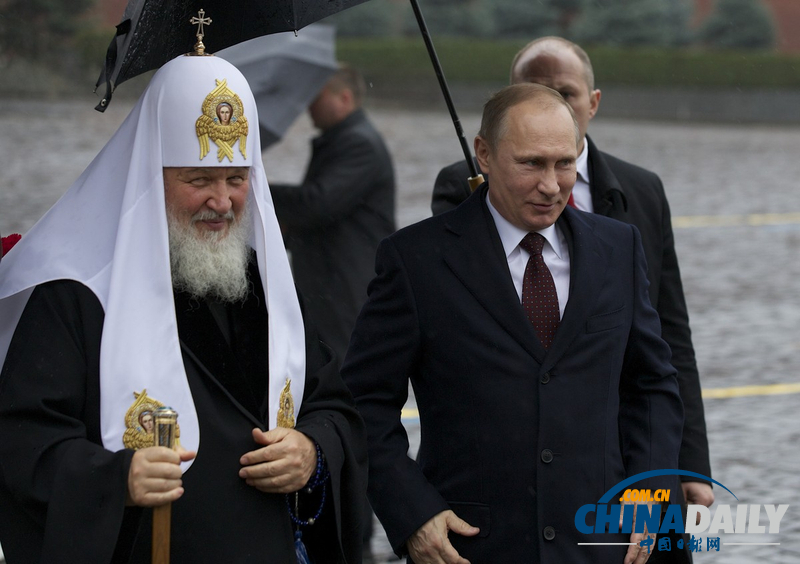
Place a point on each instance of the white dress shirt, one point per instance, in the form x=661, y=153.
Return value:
x=555, y=254
x=581, y=194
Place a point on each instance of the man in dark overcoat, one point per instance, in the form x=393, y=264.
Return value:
x=525, y=329
x=614, y=188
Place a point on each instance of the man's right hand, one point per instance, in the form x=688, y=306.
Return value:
x=155, y=474
x=429, y=544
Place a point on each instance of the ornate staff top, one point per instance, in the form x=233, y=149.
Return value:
x=200, y=20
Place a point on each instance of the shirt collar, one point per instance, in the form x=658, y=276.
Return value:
x=352, y=118
x=511, y=235
x=582, y=164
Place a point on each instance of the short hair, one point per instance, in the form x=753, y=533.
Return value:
x=348, y=77
x=541, y=46
x=493, y=122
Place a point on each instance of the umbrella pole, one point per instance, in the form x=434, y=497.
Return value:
x=476, y=179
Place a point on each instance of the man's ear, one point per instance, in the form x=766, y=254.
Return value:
x=348, y=99
x=482, y=151
x=594, y=102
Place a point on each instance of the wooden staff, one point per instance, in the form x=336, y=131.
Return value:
x=165, y=421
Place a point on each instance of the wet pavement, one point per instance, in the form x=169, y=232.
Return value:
x=740, y=266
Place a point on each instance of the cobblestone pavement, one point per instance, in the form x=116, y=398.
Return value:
x=742, y=281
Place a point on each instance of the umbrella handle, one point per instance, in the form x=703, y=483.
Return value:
x=475, y=181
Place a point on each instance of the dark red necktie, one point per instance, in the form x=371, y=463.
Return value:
x=571, y=201
x=539, y=298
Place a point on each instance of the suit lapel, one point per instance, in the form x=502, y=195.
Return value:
x=588, y=257
x=477, y=258
x=608, y=197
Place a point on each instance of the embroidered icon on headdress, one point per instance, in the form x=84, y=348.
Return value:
x=223, y=122
x=286, y=407
x=139, y=422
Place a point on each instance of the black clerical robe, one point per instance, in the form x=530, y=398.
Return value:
x=62, y=494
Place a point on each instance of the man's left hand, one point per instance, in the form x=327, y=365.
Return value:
x=284, y=464
x=638, y=554
x=697, y=493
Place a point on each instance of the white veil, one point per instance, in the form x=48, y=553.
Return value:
x=109, y=232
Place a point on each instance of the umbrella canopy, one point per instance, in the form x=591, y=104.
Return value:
x=153, y=32
x=285, y=72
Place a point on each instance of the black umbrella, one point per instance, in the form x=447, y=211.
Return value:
x=285, y=73
x=153, y=32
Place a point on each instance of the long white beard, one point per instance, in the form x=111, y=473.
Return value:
x=210, y=263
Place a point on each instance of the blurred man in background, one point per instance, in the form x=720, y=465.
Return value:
x=334, y=220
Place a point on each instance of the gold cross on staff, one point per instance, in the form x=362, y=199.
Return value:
x=200, y=21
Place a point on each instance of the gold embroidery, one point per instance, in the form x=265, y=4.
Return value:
x=223, y=122
x=139, y=422
x=286, y=407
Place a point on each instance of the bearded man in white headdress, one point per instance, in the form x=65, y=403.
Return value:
x=160, y=279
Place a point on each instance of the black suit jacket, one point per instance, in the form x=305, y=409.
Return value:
x=334, y=221
x=634, y=195
x=514, y=438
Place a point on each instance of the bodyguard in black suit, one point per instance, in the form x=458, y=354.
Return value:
x=335, y=219
x=516, y=435
x=620, y=190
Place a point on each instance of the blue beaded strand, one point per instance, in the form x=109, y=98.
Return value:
x=320, y=477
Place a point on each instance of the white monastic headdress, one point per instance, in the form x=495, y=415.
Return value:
x=109, y=232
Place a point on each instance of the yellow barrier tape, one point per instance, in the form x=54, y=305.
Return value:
x=745, y=391
x=754, y=220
